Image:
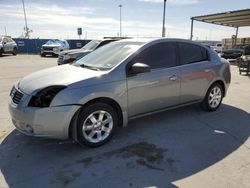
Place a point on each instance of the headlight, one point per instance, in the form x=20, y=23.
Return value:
x=44, y=97
x=71, y=56
x=55, y=49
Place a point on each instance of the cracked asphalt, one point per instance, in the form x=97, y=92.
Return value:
x=186, y=147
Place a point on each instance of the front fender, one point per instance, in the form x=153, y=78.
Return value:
x=116, y=91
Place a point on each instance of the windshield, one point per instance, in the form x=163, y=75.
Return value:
x=54, y=42
x=109, y=55
x=91, y=45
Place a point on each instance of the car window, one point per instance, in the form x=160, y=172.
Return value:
x=4, y=40
x=109, y=55
x=191, y=53
x=9, y=40
x=91, y=45
x=161, y=55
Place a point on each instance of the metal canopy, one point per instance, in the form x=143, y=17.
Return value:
x=236, y=19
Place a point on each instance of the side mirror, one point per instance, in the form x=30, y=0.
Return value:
x=140, y=68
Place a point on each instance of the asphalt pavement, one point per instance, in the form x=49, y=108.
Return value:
x=186, y=147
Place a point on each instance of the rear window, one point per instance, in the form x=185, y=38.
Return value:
x=191, y=53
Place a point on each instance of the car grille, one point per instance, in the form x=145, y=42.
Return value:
x=16, y=95
x=48, y=48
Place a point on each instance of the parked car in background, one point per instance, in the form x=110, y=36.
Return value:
x=123, y=80
x=54, y=47
x=231, y=53
x=247, y=49
x=69, y=56
x=7, y=45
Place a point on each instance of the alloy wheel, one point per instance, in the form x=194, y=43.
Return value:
x=215, y=97
x=97, y=126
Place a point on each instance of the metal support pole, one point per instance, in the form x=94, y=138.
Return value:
x=120, y=20
x=5, y=31
x=25, y=19
x=192, y=25
x=236, y=35
x=163, y=24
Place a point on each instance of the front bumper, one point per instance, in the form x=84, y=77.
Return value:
x=46, y=52
x=51, y=122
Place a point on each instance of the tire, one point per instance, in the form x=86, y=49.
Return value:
x=213, y=98
x=1, y=52
x=42, y=55
x=14, y=51
x=94, y=129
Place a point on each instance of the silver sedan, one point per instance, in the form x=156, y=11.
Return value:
x=123, y=80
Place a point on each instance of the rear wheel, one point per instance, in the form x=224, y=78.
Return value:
x=213, y=97
x=14, y=51
x=96, y=124
x=1, y=52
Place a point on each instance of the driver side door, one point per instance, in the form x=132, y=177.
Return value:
x=159, y=88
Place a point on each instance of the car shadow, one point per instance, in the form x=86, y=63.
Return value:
x=6, y=55
x=152, y=151
x=50, y=56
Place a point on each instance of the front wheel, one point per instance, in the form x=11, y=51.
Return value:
x=213, y=97
x=96, y=124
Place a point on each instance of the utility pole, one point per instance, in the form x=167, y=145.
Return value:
x=120, y=20
x=5, y=31
x=163, y=24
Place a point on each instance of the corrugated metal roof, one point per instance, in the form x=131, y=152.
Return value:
x=238, y=18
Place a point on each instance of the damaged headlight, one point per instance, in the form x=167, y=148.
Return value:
x=44, y=97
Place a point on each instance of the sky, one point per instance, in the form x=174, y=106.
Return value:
x=101, y=18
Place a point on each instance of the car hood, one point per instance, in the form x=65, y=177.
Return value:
x=60, y=75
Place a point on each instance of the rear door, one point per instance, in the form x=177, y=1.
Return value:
x=159, y=88
x=196, y=72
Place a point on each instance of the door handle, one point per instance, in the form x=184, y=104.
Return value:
x=173, y=78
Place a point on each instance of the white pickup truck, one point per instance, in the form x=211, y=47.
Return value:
x=217, y=47
x=54, y=47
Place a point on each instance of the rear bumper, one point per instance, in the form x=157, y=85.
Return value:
x=52, y=122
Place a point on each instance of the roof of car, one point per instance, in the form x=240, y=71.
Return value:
x=148, y=40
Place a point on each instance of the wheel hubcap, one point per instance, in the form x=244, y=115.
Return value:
x=97, y=126
x=215, y=97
